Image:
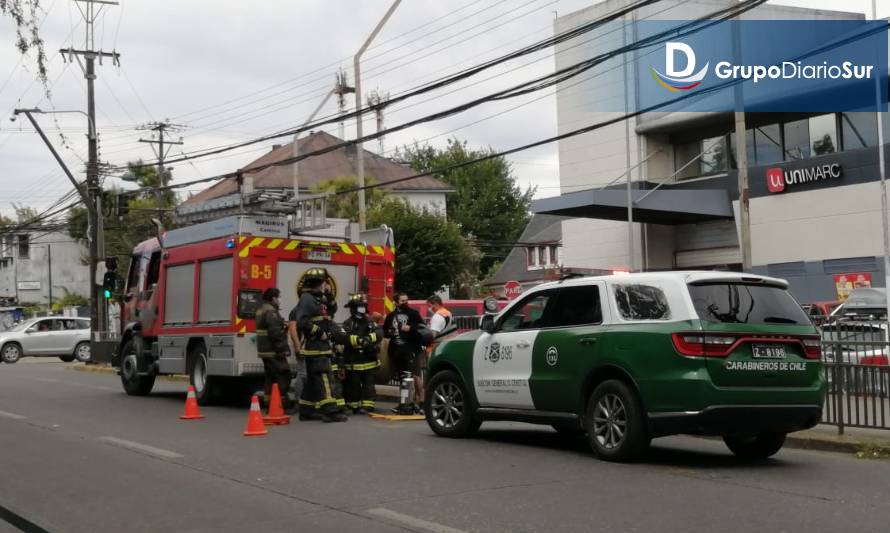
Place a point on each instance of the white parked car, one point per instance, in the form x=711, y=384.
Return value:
x=64, y=337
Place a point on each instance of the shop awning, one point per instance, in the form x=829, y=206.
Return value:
x=662, y=206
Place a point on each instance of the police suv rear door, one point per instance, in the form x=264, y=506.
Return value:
x=565, y=352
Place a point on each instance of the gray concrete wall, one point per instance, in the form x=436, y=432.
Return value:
x=69, y=272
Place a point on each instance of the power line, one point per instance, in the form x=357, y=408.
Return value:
x=448, y=80
x=690, y=27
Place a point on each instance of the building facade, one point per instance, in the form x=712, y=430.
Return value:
x=40, y=267
x=814, y=185
x=425, y=192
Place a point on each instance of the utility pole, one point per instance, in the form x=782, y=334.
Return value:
x=360, y=161
x=741, y=150
x=341, y=89
x=296, y=147
x=378, y=102
x=160, y=152
x=49, y=272
x=882, y=169
x=98, y=323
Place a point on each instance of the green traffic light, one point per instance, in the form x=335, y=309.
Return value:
x=107, y=293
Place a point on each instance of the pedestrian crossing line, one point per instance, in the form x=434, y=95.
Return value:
x=13, y=416
x=412, y=522
x=141, y=448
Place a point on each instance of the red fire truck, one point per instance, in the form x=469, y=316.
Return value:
x=191, y=296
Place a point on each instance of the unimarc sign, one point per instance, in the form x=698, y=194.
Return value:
x=780, y=180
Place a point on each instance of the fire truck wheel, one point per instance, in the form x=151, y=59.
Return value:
x=134, y=384
x=205, y=386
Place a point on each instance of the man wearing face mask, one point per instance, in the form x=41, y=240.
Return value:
x=402, y=327
x=361, y=338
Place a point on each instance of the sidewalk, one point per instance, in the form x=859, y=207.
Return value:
x=865, y=443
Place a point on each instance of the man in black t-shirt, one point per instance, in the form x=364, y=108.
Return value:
x=402, y=328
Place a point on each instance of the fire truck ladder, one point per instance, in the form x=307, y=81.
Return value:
x=307, y=213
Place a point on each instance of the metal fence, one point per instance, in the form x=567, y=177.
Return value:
x=855, y=357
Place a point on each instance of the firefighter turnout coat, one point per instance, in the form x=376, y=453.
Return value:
x=271, y=332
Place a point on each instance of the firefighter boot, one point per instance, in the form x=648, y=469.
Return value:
x=334, y=417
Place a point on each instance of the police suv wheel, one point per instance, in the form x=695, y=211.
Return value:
x=449, y=410
x=133, y=383
x=755, y=447
x=615, y=422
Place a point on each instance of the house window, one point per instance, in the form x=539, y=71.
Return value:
x=554, y=255
x=532, y=256
x=24, y=247
x=542, y=255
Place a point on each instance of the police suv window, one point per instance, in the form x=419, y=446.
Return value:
x=576, y=306
x=746, y=304
x=641, y=302
x=528, y=314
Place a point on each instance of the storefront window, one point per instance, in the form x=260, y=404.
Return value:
x=683, y=154
x=797, y=139
x=823, y=134
x=749, y=147
x=859, y=130
x=714, y=156
x=768, y=144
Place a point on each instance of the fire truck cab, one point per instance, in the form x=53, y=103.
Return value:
x=191, y=296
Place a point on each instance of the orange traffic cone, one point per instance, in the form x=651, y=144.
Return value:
x=276, y=416
x=255, y=425
x=191, y=406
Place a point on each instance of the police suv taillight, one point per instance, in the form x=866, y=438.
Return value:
x=701, y=345
x=812, y=347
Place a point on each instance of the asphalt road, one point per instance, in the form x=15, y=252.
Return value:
x=76, y=454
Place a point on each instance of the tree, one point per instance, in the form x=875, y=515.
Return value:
x=24, y=214
x=486, y=204
x=431, y=252
x=123, y=233
x=26, y=16
x=346, y=205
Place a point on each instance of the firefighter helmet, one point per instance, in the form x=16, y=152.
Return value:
x=357, y=299
x=320, y=274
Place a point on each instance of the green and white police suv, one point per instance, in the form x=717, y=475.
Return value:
x=626, y=358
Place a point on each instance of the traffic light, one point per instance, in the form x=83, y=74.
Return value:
x=109, y=284
x=110, y=280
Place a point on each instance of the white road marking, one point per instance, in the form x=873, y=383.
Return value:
x=142, y=448
x=13, y=416
x=411, y=521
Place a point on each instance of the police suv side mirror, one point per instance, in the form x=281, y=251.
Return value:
x=487, y=323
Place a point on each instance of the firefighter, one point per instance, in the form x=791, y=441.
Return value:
x=361, y=338
x=315, y=325
x=272, y=347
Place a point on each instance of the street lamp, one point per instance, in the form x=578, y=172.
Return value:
x=91, y=134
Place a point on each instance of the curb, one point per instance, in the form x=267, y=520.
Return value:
x=103, y=369
x=862, y=448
